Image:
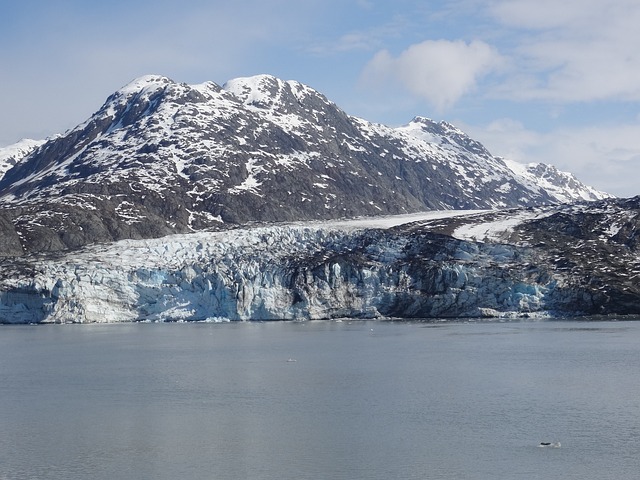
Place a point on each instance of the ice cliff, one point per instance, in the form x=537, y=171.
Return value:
x=485, y=264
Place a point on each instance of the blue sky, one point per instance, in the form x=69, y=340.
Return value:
x=534, y=80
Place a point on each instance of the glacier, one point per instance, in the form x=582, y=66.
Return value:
x=389, y=267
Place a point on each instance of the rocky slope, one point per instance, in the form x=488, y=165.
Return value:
x=542, y=261
x=162, y=157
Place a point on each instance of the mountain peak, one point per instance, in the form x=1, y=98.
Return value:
x=145, y=83
x=267, y=91
x=437, y=128
x=443, y=132
x=12, y=154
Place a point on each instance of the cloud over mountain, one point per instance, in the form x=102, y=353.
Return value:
x=440, y=72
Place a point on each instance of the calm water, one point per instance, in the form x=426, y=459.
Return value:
x=401, y=401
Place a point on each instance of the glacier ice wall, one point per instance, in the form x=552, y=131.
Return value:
x=280, y=272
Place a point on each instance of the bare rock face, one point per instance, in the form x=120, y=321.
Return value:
x=161, y=157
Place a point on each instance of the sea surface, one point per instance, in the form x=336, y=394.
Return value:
x=321, y=400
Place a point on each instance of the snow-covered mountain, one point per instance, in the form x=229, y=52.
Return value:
x=162, y=157
x=563, y=186
x=543, y=261
x=12, y=154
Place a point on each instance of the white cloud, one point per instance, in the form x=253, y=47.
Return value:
x=440, y=72
x=543, y=14
x=572, y=51
x=507, y=138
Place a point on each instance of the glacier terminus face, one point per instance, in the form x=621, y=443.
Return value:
x=482, y=264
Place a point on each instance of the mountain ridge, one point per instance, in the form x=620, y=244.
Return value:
x=14, y=153
x=161, y=157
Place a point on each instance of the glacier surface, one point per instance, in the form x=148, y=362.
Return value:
x=395, y=266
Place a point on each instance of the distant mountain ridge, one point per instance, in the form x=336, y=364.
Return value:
x=12, y=154
x=161, y=157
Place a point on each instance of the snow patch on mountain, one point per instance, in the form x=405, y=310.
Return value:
x=144, y=85
x=498, y=226
x=564, y=186
x=267, y=91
